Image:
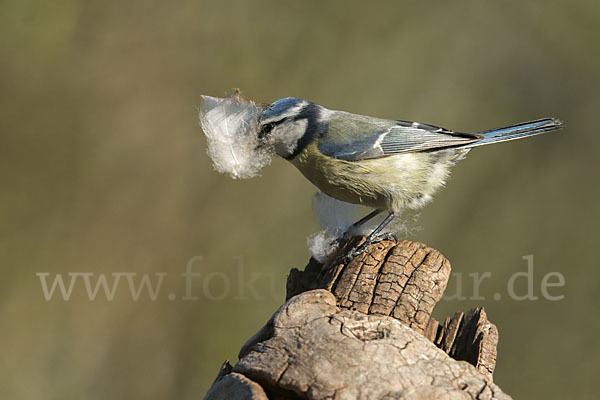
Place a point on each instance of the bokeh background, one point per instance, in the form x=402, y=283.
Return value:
x=103, y=170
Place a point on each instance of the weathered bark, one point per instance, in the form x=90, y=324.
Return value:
x=363, y=329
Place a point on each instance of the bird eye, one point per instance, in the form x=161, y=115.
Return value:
x=265, y=130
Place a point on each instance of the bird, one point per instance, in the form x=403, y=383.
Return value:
x=388, y=165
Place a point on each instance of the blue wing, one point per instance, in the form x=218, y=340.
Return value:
x=387, y=138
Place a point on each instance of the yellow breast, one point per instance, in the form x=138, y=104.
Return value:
x=347, y=181
x=390, y=183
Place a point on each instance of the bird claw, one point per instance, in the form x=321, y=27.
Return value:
x=385, y=236
x=360, y=249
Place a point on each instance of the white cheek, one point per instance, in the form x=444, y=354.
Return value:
x=287, y=136
x=300, y=127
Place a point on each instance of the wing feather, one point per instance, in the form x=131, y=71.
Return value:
x=402, y=137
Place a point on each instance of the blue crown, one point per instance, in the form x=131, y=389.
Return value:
x=280, y=108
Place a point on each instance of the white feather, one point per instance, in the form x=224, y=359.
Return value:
x=334, y=217
x=231, y=128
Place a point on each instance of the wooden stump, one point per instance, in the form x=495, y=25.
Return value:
x=363, y=329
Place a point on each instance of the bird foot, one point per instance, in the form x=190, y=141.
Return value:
x=370, y=240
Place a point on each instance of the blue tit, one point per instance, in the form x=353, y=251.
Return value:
x=388, y=165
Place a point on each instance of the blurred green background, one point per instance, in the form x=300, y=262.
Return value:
x=103, y=170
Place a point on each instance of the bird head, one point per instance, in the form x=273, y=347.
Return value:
x=285, y=122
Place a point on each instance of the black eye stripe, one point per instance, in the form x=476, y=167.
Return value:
x=266, y=129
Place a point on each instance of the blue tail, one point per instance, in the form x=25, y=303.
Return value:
x=516, y=131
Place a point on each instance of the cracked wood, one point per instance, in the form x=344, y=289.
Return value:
x=363, y=329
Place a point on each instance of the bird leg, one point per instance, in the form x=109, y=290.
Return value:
x=381, y=226
x=362, y=221
x=374, y=236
